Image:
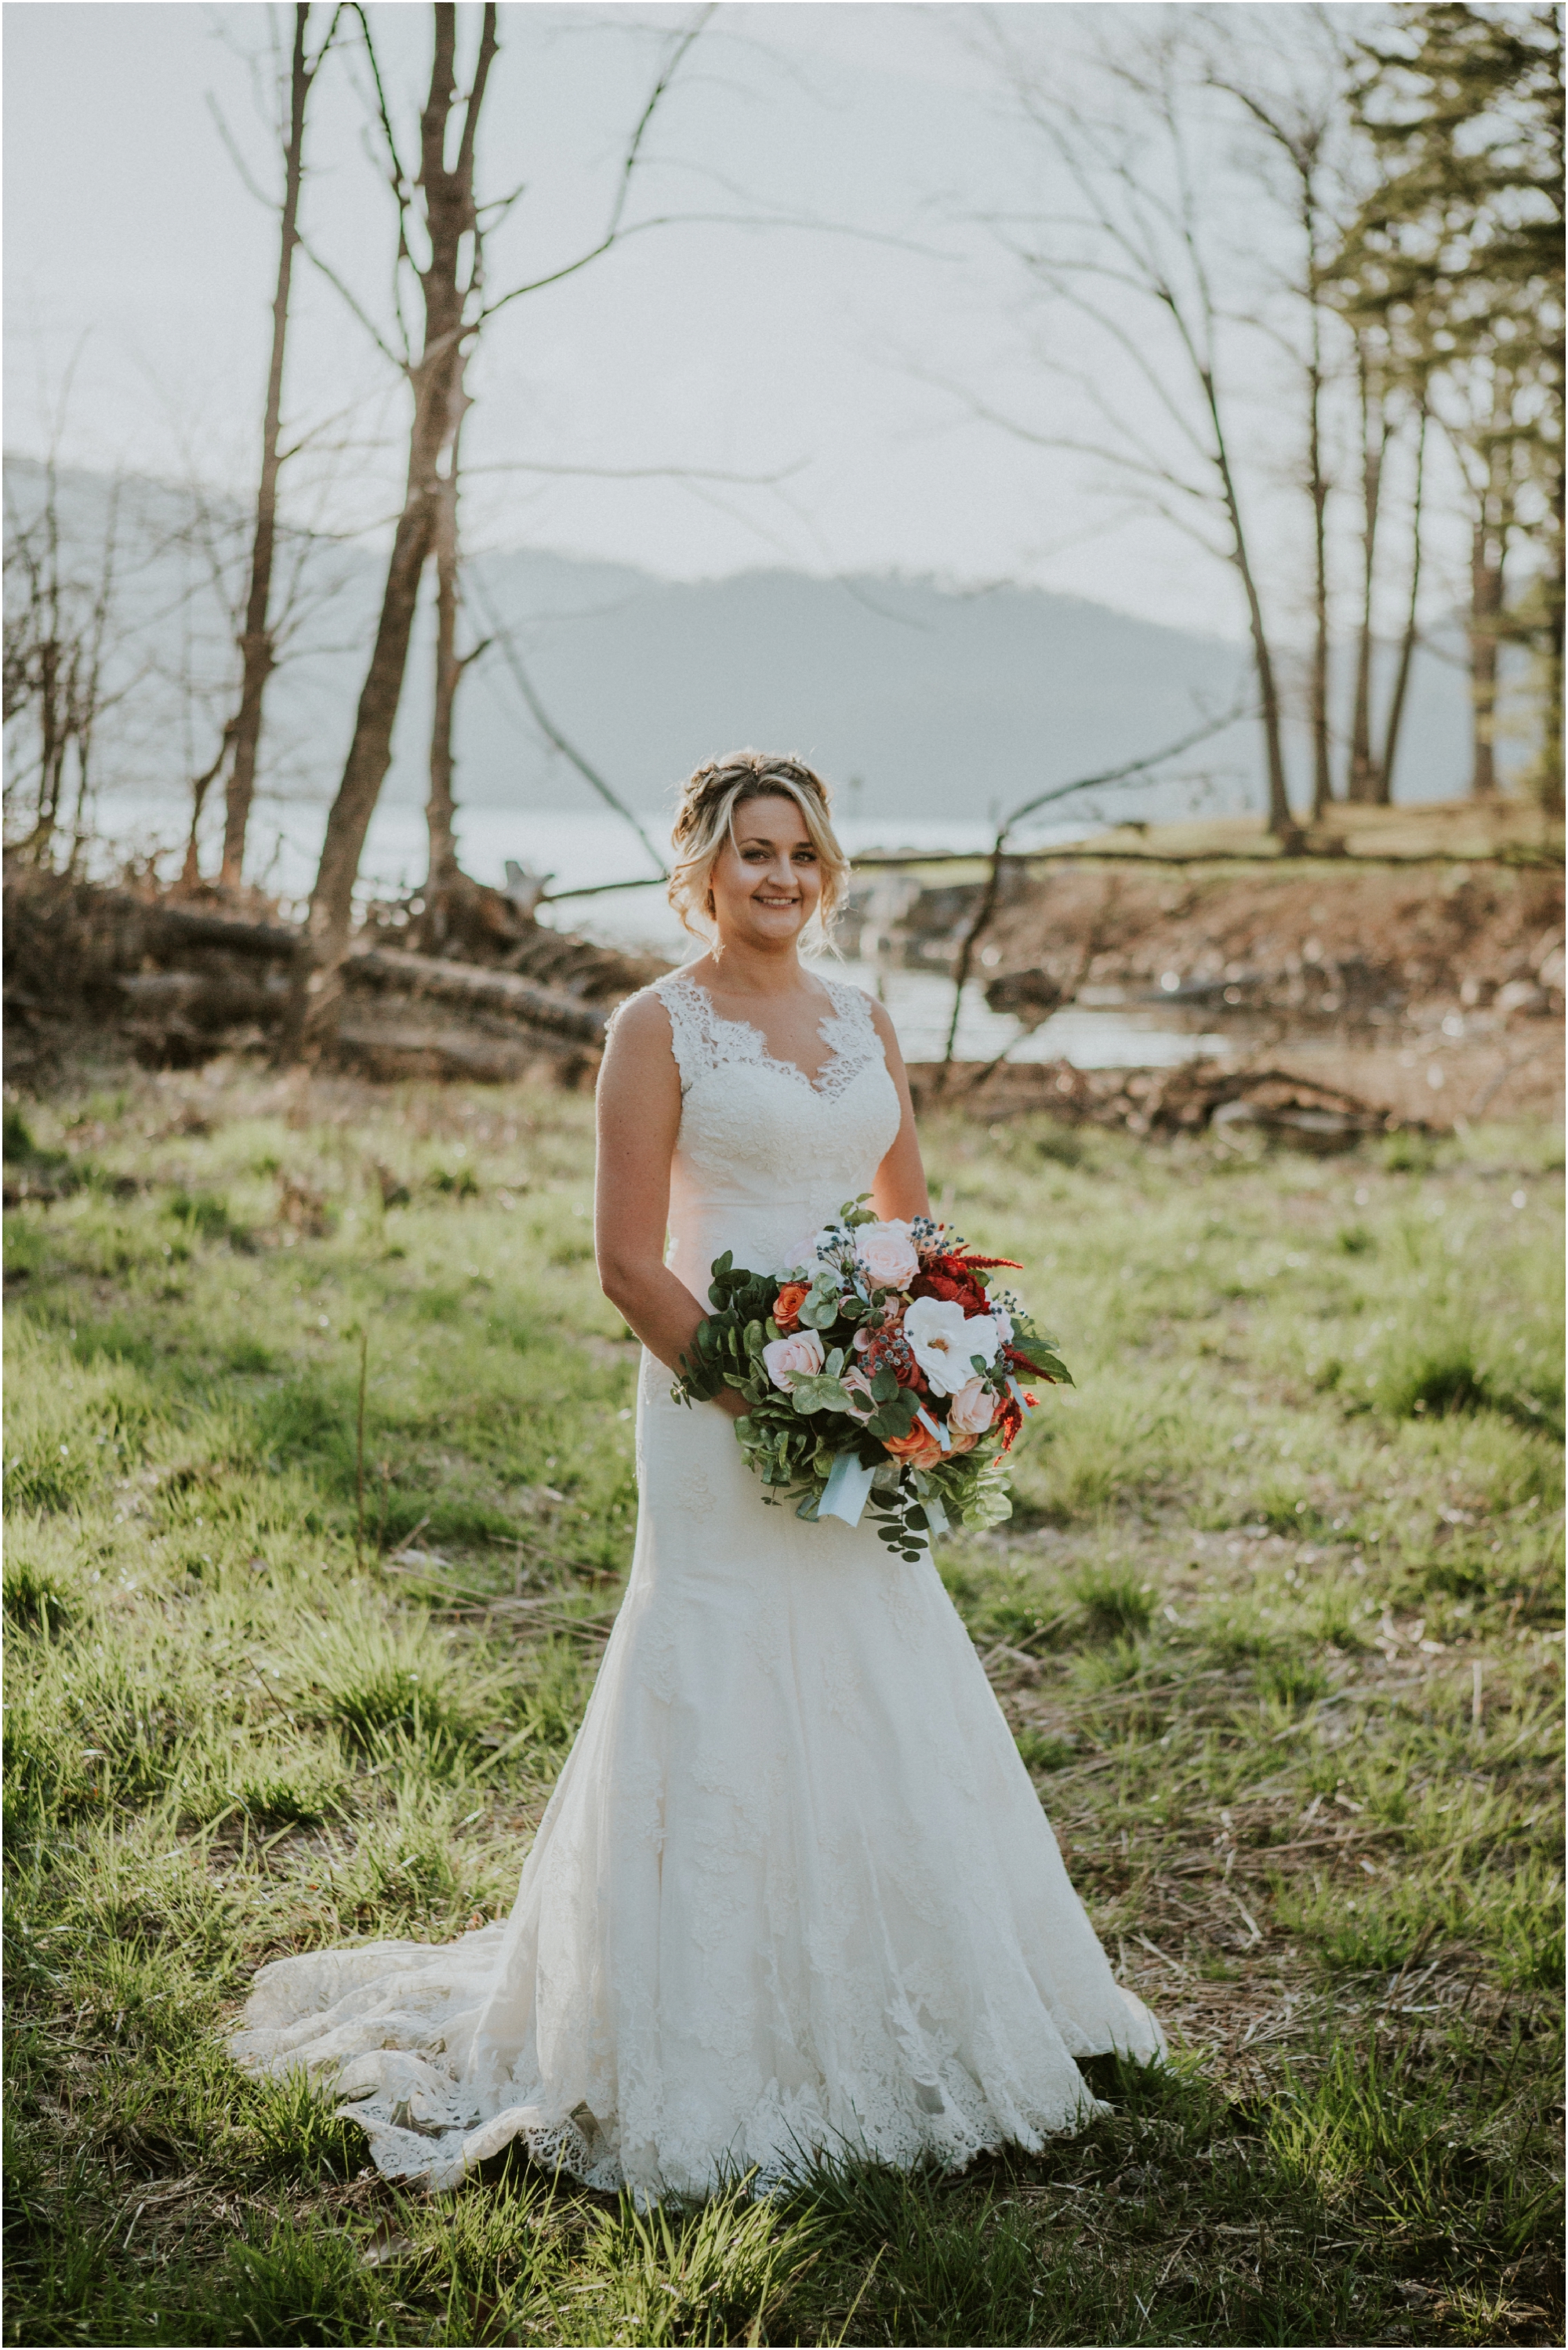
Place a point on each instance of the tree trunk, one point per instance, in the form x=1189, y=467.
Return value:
x=1384, y=770
x=1362, y=783
x=1282, y=823
x=435, y=379
x=441, y=878
x=1317, y=488
x=1549, y=778
x=1322, y=769
x=1486, y=610
x=191, y=873
x=256, y=648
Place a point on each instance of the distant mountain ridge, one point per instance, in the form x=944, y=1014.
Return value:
x=919, y=699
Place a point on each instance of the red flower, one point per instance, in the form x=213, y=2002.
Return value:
x=1010, y=1420
x=948, y=1277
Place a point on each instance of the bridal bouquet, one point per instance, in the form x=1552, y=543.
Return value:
x=886, y=1375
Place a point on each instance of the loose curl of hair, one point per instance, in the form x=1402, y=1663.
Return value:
x=705, y=820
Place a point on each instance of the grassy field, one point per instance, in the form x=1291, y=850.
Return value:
x=1277, y=1625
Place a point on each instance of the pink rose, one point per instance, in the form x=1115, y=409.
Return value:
x=887, y=1254
x=788, y=1359
x=973, y=1409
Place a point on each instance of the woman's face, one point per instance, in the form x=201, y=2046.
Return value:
x=767, y=879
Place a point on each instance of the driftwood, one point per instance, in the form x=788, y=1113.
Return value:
x=392, y=1041
x=1188, y=1099
x=478, y=989
x=171, y=927
x=181, y=980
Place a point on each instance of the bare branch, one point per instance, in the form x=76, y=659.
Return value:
x=387, y=353
x=401, y=177
x=552, y=732
x=656, y=95
x=236, y=158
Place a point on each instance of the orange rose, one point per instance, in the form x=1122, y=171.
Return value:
x=788, y=1302
x=920, y=1448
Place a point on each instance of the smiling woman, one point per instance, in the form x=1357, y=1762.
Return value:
x=735, y=834
x=795, y=1895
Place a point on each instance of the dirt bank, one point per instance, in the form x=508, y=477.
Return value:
x=1320, y=943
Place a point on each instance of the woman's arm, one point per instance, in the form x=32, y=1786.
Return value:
x=639, y=1114
x=900, y=1189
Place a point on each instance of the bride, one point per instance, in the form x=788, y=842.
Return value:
x=794, y=1893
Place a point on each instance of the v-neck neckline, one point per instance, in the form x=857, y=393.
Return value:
x=779, y=1060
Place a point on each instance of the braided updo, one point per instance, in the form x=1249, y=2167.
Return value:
x=705, y=820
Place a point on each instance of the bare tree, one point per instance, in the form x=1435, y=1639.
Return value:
x=1147, y=769
x=1490, y=469
x=1374, y=411
x=1135, y=262
x=258, y=650
x=445, y=880
x=443, y=198
x=441, y=209
x=1298, y=127
x=61, y=624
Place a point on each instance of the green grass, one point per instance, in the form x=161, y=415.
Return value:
x=1275, y=1625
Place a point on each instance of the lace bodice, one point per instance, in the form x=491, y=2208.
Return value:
x=766, y=1155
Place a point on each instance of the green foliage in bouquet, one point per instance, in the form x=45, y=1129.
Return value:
x=792, y=1437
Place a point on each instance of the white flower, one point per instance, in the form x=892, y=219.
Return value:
x=1004, y=1321
x=797, y=1356
x=944, y=1341
x=888, y=1254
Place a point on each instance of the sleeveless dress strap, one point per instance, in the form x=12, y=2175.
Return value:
x=693, y=1026
x=852, y=1032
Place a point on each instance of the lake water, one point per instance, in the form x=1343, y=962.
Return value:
x=582, y=848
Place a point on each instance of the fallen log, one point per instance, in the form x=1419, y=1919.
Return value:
x=393, y=1043
x=169, y=928
x=479, y=989
x=178, y=980
x=208, y=1000
x=1187, y=1098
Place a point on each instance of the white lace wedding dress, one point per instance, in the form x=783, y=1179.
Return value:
x=794, y=1890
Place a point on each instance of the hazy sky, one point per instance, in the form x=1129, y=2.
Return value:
x=138, y=266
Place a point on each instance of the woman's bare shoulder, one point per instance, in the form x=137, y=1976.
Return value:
x=640, y=1025
x=881, y=1019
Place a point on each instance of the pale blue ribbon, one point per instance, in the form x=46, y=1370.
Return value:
x=848, y=1483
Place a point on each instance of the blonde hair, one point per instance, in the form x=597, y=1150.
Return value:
x=705, y=820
